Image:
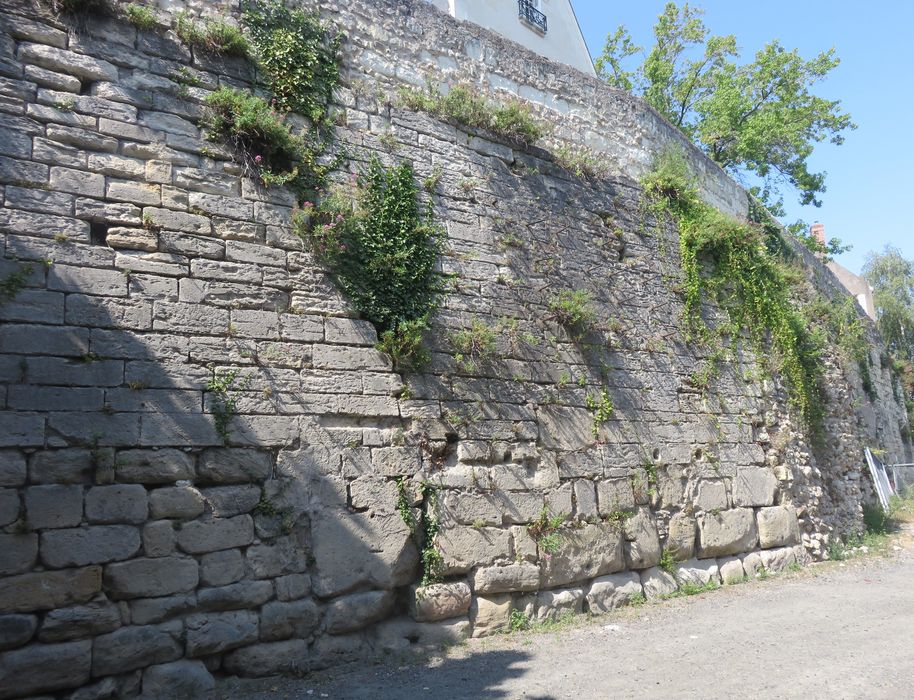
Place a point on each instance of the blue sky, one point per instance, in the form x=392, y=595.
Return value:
x=871, y=176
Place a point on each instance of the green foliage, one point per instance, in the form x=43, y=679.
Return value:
x=581, y=161
x=519, y=621
x=545, y=531
x=298, y=54
x=876, y=520
x=405, y=505
x=637, y=599
x=892, y=277
x=474, y=345
x=140, y=16
x=759, y=117
x=404, y=345
x=13, y=283
x=602, y=408
x=572, y=310
x=424, y=527
x=667, y=562
x=211, y=35
x=731, y=260
x=464, y=105
x=224, y=402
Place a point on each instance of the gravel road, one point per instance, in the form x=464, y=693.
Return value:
x=833, y=631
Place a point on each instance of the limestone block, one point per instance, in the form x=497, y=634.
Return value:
x=68, y=62
x=44, y=668
x=49, y=589
x=730, y=532
x=615, y=495
x=642, y=543
x=470, y=509
x=555, y=604
x=280, y=620
x=229, y=501
x=754, y=487
x=269, y=659
x=292, y=587
x=752, y=564
x=613, y=591
x=179, y=680
x=559, y=501
x=490, y=614
x=69, y=466
x=123, y=503
x=507, y=579
x=352, y=612
x=180, y=502
x=698, y=571
x=285, y=555
x=731, y=570
x=585, y=498
x=213, y=534
x=244, y=594
x=440, y=601
x=403, y=635
x=524, y=546
x=63, y=624
x=778, y=559
x=151, y=578
x=584, y=553
x=712, y=495
x=16, y=630
x=565, y=428
x=212, y=633
x=778, y=527
x=464, y=547
x=221, y=568
x=9, y=506
x=680, y=539
x=98, y=544
x=149, y=610
x=130, y=648
x=53, y=506
x=234, y=466
x=18, y=553
x=159, y=539
x=657, y=582
x=12, y=468
x=153, y=466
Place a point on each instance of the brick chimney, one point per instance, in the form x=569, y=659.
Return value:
x=818, y=230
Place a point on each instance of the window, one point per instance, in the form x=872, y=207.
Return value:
x=529, y=13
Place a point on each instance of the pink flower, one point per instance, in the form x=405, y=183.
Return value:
x=258, y=159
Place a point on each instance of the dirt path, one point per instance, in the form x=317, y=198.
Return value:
x=835, y=631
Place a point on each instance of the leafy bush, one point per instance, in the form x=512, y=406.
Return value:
x=572, y=310
x=545, y=531
x=140, y=16
x=211, y=35
x=404, y=345
x=602, y=408
x=581, y=161
x=474, y=345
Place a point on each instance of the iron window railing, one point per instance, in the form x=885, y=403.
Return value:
x=528, y=13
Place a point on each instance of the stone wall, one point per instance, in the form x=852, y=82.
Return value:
x=140, y=552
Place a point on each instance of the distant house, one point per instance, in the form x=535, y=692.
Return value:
x=548, y=27
x=855, y=284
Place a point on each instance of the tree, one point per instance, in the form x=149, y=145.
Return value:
x=758, y=117
x=892, y=278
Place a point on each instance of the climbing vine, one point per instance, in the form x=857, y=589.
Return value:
x=424, y=527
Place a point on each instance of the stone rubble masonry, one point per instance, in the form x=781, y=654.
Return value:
x=140, y=548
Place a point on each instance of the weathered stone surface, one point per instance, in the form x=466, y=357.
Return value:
x=150, y=578
x=778, y=527
x=777, y=559
x=284, y=620
x=229, y=501
x=221, y=568
x=609, y=592
x=49, y=589
x=130, y=648
x=502, y=579
x=465, y=547
x=16, y=630
x=211, y=633
x=490, y=614
x=97, y=544
x=292, y=586
x=615, y=495
x=221, y=466
x=18, y=553
x=181, y=502
x=148, y=610
x=731, y=570
x=698, y=571
x=213, y=534
x=440, y=601
x=116, y=504
x=179, y=680
x=657, y=582
x=353, y=549
x=556, y=604
x=729, y=532
x=712, y=495
x=53, y=506
x=68, y=62
x=42, y=668
x=68, y=466
x=79, y=621
x=12, y=468
x=244, y=594
x=754, y=487
x=270, y=659
x=404, y=635
x=642, y=543
x=9, y=506
x=358, y=610
x=681, y=536
x=286, y=555
x=159, y=539
x=153, y=466
x=584, y=553
x=752, y=564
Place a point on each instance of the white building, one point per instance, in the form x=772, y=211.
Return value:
x=548, y=27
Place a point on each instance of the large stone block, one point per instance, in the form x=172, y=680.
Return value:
x=180, y=502
x=642, y=543
x=151, y=578
x=285, y=555
x=584, y=553
x=441, y=601
x=269, y=659
x=490, y=614
x=280, y=620
x=221, y=568
x=699, y=572
x=212, y=633
x=234, y=466
x=78, y=621
x=680, y=539
x=123, y=503
x=778, y=527
x=46, y=590
x=556, y=604
x=68, y=466
x=151, y=610
x=97, y=544
x=18, y=553
x=505, y=579
x=613, y=591
x=730, y=532
x=244, y=594
x=731, y=570
x=778, y=559
x=213, y=534
x=130, y=648
x=754, y=487
x=712, y=495
x=44, y=668
x=16, y=630
x=351, y=550
x=353, y=612
x=402, y=635
x=464, y=547
x=12, y=468
x=9, y=506
x=656, y=583
x=154, y=466
x=53, y=506
x=179, y=680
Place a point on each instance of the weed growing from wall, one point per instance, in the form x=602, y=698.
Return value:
x=13, y=283
x=224, y=402
x=602, y=408
x=545, y=531
x=140, y=16
x=211, y=35
x=573, y=311
x=474, y=345
x=424, y=527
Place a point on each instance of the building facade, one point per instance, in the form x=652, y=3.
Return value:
x=855, y=284
x=548, y=27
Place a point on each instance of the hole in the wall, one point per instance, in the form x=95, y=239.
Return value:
x=98, y=233
x=698, y=454
x=656, y=454
x=507, y=456
x=86, y=88
x=451, y=438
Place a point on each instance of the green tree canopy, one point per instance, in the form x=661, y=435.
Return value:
x=759, y=117
x=892, y=279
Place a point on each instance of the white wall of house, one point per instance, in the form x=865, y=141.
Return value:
x=562, y=42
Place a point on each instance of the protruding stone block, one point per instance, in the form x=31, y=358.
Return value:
x=699, y=572
x=555, y=604
x=642, y=543
x=179, y=680
x=680, y=539
x=353, y=612
x=441, y=601
x=130, y=648
x=613, y=591
x=212, y=633
x=507, y=579
x=80, y=621
x=754, y=486
x=657, y=582
x=284, y=620
x=730, y=532
x=151, y=578
x=44, y=668
x=490, y=614
x=164, y=466
x=778, y=527
x=731, y=570
x=583, y=553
